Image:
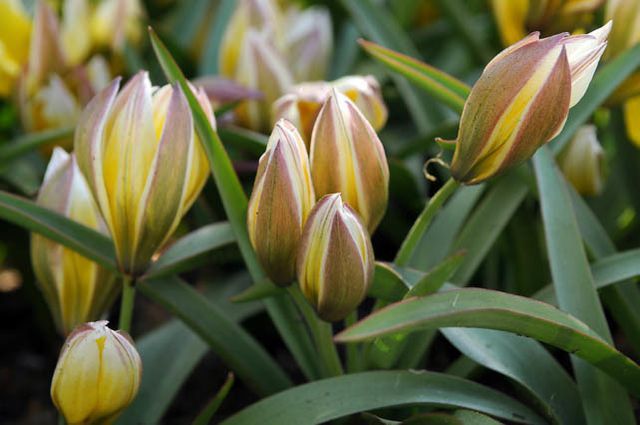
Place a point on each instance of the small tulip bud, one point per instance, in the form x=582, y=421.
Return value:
x=335, y=260
x=521, y=101
x=281, y=200
x=347, y=157
x=302, y=103
x=15, y=30
x=143, y=163
x=97, y=375
x=309, y=41
x=76, y=289
x=582, y=162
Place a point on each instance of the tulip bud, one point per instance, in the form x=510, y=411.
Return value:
x=281, y=200
x=76, y=289
x=521, y=101
x=302, y=103
x=115, y=21
x=348, y=157
x=97, y=375
x=309, y=42
x=625, y=15
x=15, y=30
x=335, y=260
x=582, y=162
x=143, y=163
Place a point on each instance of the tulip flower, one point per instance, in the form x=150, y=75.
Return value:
x=309, y=41
x=335, y=261
x=347, y=157
x=521, y=101
x=281, y=200
x=76, y=289
x=143, y=163
x=15, y=30
x=582, y=162
x=97, y=375
x=303, y=101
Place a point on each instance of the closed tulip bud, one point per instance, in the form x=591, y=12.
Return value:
x=143, y=163
x=335, y=260
x=347, y=157
x=113, y=22
x=76, y=289
x=625, y=15
x=97, y=375
x=582, y=162
x=521, y=101
x=309, y=42
x=281, y=200
x=15, y=30
x=302, y=103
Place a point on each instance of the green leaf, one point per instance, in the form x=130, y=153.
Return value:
x=433, y=280
x=234, y=345
x=258, y=291
x=575, y=289
x=243, y=138
x=530, y=365
x=86, y=241
x=27, y=143
x=483, y=308
x=602, y=86
x=209, y=63
x=212, y=407
x=333, y=398
x=191, y=250
x=387, y=284
x=440, y=85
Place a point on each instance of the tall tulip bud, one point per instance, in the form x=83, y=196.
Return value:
x=302, y=103
x=309, y=41
x=348, y=157
x=521, y=101
x=582, y=162
x=335, y=260
x=97, y=375
x=281, y=200
x=76, y=289
x=15, y=30
x=143, y=163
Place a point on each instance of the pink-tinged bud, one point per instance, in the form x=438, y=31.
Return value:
x=309, y=42
x=97, y=375
x=143, y=162
x=582, y=162
x=521, y=101
x=625, y=33
x=302, y=103
x=348, y=157
x=76, y=289
x=280, y=203
x=335, y=260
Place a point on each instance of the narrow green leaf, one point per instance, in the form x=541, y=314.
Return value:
x=191, y=250
x=530, y=365
x=440, y=85
x=602, y=86
x=483, y=308
x=233, y=344
x=31, y=141
x=322, y=401
x=212, y=407
x=575, y=289
x=86, y=241
x=209, y=63
x=258, y=291
x=253, y=142
x=387, y=284
x=433, y=280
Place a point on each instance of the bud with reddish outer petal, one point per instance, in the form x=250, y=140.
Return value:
x=348, y=157
x=76, y=289
x=97, y=375
x=582, y=162
x=281, y=200
x=335, y=261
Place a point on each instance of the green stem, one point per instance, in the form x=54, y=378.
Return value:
x=61, y=420
x=126, y=305
x=422, y=223
x=321, y=333
x=353, y=351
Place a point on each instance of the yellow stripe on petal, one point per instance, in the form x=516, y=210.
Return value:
x=511, y=16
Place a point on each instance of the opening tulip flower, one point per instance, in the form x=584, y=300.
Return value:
x=76, y=289
x=521, y=101
x=97, y=375
x=144, y=164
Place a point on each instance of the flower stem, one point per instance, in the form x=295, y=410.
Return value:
x=126, y=305
x=353, y=351
x=422, y=223
x=322, y=335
